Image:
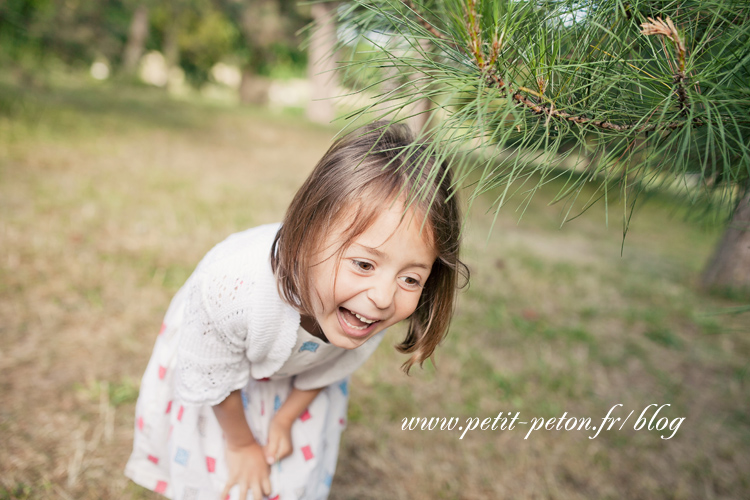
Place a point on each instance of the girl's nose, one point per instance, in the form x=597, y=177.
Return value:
x=381, y=293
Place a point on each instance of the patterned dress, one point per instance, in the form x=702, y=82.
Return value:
x=183, y=455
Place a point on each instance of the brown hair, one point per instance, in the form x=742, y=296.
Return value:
x=361, y=172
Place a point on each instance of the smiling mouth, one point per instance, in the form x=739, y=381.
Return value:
x=356, y=321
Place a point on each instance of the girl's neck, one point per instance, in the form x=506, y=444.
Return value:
x=311, y=326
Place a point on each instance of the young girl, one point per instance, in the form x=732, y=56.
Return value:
x=246, y=391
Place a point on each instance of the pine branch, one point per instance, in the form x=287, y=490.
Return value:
x=583, y=120
x=425, y=24
x=597, y=99
x=667, y=30
x=490, y=71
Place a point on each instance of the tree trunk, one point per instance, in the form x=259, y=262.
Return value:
x=262, y=26
x=253, y=88
x=171, y=49
x=136, y=40
x=261, y=23
x=422, y=108
x=729, y=268
x=321, y=64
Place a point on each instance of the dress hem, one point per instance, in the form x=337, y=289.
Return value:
x=143, y=479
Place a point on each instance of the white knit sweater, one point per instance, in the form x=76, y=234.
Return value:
x=235, y=324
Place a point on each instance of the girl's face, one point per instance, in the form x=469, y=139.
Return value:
x=378, y=280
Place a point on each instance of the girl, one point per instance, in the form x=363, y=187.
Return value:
x=246, y=390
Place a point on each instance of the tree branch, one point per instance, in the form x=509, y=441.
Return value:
x=425, y=24
x=487, y=65
x=550, y=111
x=668, y=30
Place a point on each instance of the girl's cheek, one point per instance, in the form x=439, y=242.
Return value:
x=409, y=302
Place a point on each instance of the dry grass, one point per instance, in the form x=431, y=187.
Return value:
x=108, y=200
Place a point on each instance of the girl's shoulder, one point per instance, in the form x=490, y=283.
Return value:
x=245, y=251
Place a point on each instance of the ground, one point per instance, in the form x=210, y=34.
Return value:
x=109, y=197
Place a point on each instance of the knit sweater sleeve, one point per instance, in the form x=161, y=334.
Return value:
x=211, y=359
x=234, y=323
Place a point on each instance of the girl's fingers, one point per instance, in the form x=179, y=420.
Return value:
x=257, y=494
x=266, y=486
x=225, y=492
x=271, y=450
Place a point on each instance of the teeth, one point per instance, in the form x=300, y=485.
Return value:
x=367, y=321
x=355, y=327
x=363, y=319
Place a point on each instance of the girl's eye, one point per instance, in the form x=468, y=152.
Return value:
x=362, y=265
x=411, y=282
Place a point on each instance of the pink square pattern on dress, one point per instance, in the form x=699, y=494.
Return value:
x=305, y=415
x=169, y=407
x=211, y=464
x=307, y=452
x=140, y=423
x=162, y=372
x=179, y=414
x=163, y=327
x=153, y=459
x=161, y=486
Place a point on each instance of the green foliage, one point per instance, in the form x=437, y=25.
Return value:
x=202, y=32
x=577, y=90
x=17, y=19
x=268, y=37
x=206, y=36
x=72, y=31
x=290, y=61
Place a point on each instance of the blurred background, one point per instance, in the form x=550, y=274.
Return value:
x=252, y=52
x=134, y=136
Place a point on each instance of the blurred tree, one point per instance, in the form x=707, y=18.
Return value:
x=321, y=63
x=172, y=11
x=136, y=44
x=167, y=21
x=258, y=35
x=74, y=31
x=267, y=30
x=17, y=24
x=364, y=69
x=633, y=95
x=206, y=36
x=262, y=27
x=422, y=112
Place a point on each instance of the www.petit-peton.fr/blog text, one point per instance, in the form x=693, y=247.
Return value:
x=652, y=418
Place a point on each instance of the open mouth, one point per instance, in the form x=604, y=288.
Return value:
x=356, y=321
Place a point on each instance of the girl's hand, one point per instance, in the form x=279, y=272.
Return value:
x=279, y=439
x=248, y=469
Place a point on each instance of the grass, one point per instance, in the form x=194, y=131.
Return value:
x=109, y=197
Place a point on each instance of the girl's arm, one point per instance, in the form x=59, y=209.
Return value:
x=295, y=404
x=231, y=416
x=246, y=464
x=280, y=435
